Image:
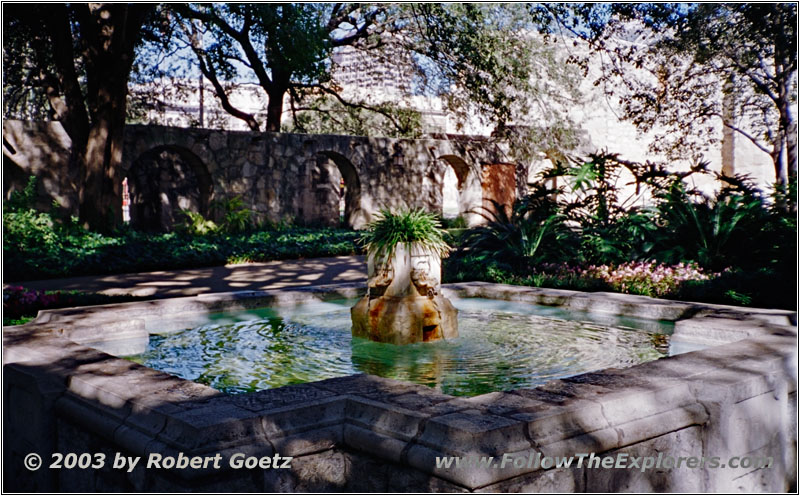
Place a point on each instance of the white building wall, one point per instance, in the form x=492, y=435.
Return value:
x=381, y=79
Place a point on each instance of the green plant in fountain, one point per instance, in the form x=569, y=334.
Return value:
x=407, y=226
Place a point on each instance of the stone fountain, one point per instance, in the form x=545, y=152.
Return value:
x=404, y=303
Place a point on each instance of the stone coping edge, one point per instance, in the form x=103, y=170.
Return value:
x=144, y=411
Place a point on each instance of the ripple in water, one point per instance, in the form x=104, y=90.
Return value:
x=502, y=346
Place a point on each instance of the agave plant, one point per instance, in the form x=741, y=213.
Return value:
x=717, y=232
x=534, y=232
x=406, y=226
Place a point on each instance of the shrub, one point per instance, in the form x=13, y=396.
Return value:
x=196, y=224
x=233, y=216
x=534, y=232
x=86, y=253
x=716, y=232
x=38, y=245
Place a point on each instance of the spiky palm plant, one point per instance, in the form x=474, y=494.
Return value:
x=407, y=226
x=534, y=232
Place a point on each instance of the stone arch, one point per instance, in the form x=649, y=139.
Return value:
x=460, y=167
x=337, y=190
x=163, y=181
x=468, y=196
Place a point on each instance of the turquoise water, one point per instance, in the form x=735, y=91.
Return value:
x=502, y=346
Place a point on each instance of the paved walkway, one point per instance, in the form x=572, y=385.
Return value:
x=172, y=283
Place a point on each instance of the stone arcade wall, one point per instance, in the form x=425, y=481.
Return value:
x=279, y=176
x=367, y=434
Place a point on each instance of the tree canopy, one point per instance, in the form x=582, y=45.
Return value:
x=77, y=58
x=680, y=68
x=480, y=58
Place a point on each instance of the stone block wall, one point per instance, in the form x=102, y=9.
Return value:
x=280, y=177
x=367, y=434
x=39, y=149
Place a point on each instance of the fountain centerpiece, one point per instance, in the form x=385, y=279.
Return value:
x=404, y=303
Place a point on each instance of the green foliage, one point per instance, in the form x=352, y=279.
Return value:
x=482, y=60
x=763, y=288
x=328, y=115
x=234, y=216
x=717, y=233
x=476, y=56
x=747, y=247
x=22, y=200
x=535, y=231
x=196, y=224
x=407, y=226
x=629, y=237
x=37, y=245
x=132, y=251
x=27, y=230
x=784, y=200
x=287, y=47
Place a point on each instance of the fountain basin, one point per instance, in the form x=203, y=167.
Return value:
x=365, y=433
x=502, y=346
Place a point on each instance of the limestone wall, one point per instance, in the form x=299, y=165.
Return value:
x=280, y=177
x=365, y=433
x=40, y=149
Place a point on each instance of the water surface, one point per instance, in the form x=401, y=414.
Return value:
x=502, y=346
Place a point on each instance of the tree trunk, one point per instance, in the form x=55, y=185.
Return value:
x=790, y=125
x=779, y=164
x=110, y=31
x=275, y=109
x=785, y=59
x=100, y=198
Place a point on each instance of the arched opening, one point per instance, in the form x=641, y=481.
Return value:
x=162, y=183
x=455, y=199
x=450, y=208
x=337, y=191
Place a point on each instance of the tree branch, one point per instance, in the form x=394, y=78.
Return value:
x=361, y=32
x=71, y=111
x=346, y=103
x=212, y=77
x=242, y=37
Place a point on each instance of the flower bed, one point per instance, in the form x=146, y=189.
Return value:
x=21, y=305
x=642, y=278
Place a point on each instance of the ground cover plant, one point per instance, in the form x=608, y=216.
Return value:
x=47, y=244
x=736, y=247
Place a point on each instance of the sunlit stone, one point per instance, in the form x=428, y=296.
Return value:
x=404, y=303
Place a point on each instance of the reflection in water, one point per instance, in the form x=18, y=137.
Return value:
x=501, y=346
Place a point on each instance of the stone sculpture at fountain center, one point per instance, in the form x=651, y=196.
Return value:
x=404, y=303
